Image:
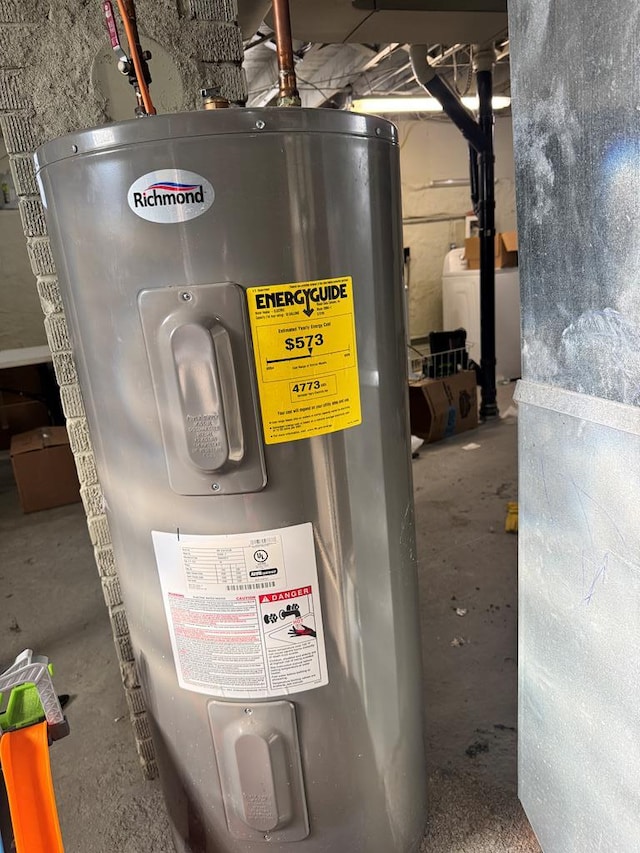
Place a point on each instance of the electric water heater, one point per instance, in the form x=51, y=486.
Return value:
x=232, y=282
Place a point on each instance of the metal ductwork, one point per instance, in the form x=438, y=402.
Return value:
x=577, y=150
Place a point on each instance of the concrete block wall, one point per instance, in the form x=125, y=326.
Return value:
x=46, y=89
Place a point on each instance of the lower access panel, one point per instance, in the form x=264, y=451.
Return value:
x=260, y=770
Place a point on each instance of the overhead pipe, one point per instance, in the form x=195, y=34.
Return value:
x=437, y=60
x=288, y=95
x=484, y=60
x=429, y=79
x=251, y=13
x=479, y=135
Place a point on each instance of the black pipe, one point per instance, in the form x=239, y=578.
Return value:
x=458, y=114
x=473, y=178
x=486, y=217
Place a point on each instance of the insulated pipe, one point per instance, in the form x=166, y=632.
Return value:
x=251, y=13
x=459, y=115
x=484, y=60
x=288, y=95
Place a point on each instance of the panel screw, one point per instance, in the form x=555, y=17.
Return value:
x=378, y=131
x=186, y=296
x=267, y=838
x=214, y=486
x=248, y=711
x=260, y=124
x=74, y=148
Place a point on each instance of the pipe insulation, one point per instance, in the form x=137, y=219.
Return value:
x=251, y=13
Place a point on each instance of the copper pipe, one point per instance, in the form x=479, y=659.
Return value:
x=288, y=96
x=139, y=57
x=129, y=11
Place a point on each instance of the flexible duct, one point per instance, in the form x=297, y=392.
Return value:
x=251, y=14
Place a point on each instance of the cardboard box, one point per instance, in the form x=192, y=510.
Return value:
x=440, y=408
x=44, y=469
x=505, y=254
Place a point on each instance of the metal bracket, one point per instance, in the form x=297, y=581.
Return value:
x=29, y=668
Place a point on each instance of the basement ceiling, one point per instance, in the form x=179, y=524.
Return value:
x=351, y=48
x=406, y=21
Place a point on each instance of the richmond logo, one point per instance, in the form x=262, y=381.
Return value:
x=170, y=195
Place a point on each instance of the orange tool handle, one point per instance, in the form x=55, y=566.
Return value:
x=24, y=756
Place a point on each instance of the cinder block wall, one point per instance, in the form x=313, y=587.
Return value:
x=47, y=89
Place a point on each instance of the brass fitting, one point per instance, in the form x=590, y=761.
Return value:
x=212, y=99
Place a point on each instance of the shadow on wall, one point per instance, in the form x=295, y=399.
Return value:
x=167, y=87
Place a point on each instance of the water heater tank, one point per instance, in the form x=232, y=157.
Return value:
x=232, y=283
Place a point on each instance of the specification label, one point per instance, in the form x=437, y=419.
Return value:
x=243, y=611
x=304, y=340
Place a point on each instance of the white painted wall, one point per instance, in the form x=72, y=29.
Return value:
x=432, y=150
x=429, y=150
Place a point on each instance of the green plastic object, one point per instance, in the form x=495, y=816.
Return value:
x=24, y=707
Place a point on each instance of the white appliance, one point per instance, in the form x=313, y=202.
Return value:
x=461, y=308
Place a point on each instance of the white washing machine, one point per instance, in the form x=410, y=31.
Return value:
x=461, y=308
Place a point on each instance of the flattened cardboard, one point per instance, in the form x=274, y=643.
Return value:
x=39, y=439
x=440, y=408
x=510, y=243
x=505, y=253
x=44, y=470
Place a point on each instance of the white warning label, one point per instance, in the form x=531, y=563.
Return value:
x=243, y=611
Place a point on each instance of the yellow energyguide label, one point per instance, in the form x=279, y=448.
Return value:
x=304, y=340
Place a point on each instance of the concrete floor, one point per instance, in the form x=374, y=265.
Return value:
x=52, y=602
x=468, y=562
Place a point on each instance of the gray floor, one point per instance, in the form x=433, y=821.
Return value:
x=52, y=602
